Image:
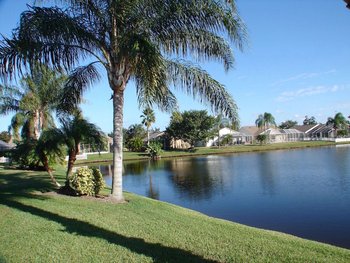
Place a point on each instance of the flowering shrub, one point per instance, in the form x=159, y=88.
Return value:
x=86, y=181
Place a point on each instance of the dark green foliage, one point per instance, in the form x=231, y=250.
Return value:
x=5, y=136
x=342, y=133
x=133, y=137
x=261, y=138
x=192, y=126
x=226, y=140
x=135, y=144
x=310, y=121
x=86, y=181
x=288, y=124
x=154, y=149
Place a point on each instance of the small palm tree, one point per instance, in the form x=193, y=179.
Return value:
x=72, y=132
x=143, y=40
x=260, y=121
x=148, y=118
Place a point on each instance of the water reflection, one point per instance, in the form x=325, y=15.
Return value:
x=192, y=178
x=302, y=192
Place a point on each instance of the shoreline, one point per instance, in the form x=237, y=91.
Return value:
x=204, y=151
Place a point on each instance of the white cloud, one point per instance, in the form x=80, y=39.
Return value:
x=303, y=76
x=306, y=92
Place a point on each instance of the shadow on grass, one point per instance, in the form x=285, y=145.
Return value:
x=158, y=252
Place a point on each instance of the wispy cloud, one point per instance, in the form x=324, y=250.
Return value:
x=303, y=76
x=291, y=95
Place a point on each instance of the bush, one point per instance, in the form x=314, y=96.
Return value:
x=135, y=144
x=261, y=138
x=99, y=182
x=154, y=149
x=86, y=181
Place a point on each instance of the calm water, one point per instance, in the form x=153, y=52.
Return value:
x=302, y=192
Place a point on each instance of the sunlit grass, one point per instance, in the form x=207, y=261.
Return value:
x=37, y=227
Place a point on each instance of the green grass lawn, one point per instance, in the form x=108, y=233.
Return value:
x=37, y=227
x=209, y=150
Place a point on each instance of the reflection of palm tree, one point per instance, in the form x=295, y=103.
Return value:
x=132, y=40
x=148, y=119
x=152, y=193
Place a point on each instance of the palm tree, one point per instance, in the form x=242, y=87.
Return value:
x=260, y=121
x=265, y=120
x=72, y=133
x=148, y=119
x=33, y=102
x=138, y=40
x=338, y=122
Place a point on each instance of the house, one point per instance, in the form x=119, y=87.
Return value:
x=283, y=135
x=4, y=146
x=250, y=133
x=237, y=137
x=317, y=131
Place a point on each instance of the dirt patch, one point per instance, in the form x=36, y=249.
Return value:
x=98, y=198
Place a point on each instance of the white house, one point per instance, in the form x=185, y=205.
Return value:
x=237, y=137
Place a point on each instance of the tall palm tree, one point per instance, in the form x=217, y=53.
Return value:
x=132, y=40
x=265, y=120
x=260, y=121
x=269, y=120
x=33, y=101
x=148, y=118
x=338, y=122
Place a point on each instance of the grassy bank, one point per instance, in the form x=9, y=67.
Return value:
x=37, y=227
x=207, y=151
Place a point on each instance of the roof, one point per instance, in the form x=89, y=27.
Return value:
x=6, y=146
x=273, y=131
x=250, y=130
x=305, y=128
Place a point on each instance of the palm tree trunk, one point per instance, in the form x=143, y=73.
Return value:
x=117, y=179
x=49, y=171
x=71, y=160
x=147, y=136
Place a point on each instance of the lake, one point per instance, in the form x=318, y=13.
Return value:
x=302, y=192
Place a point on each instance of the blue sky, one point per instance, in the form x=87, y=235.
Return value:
x=297, y=63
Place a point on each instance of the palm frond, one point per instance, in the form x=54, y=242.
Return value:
x=202, y=86
x=78, y=81
x=49, y=35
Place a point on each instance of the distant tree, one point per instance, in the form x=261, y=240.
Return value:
x=148, y=118
x=261, y=138
x=193, y=126
x=338, y=122
x=265, y=121
x=309, y=121
x=133, y=137
x=288, y=124
x=5, y=136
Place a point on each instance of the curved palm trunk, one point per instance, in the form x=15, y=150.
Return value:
x=117, y=179
x=49, y=171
